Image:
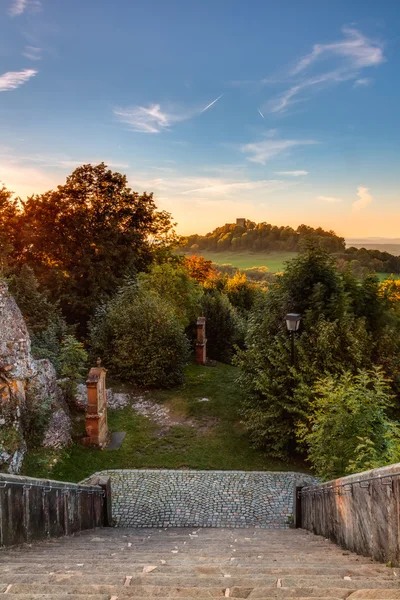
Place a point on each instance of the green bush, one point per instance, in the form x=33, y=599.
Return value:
x=348, y=430
x=141, y=339
x=35, y=419
x=73, y=364
x=174, y=284
x=224, y=326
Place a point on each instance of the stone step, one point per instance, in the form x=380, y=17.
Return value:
x=160, y=569
x=301, y=587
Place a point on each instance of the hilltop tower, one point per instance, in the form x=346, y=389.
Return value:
x=241, y=222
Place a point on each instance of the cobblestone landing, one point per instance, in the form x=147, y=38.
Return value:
x=168, y=498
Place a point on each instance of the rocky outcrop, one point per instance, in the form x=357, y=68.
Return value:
x=26, y=386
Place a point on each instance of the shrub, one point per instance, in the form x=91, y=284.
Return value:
x=224, y=326
x=348, y=429
x=174, y=284
x=73, y=364
x=141, y=339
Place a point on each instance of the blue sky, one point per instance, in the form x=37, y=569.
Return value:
x=285, y=112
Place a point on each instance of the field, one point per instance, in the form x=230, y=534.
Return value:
x=207, y=434
x=245, y=260
x=274, y=261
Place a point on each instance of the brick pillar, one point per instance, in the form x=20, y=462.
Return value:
x=96, y=415
x=201, y=342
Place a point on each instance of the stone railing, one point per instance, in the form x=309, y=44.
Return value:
x=360, y=512
x=34, y=509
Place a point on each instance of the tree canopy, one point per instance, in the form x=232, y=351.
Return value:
x=83, y=238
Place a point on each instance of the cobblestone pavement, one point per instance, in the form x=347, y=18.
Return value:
x=168, y=498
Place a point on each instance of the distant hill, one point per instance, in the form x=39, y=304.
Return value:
x=245, y=235
x=391, y=246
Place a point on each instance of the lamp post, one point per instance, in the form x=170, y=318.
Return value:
x=292, y=325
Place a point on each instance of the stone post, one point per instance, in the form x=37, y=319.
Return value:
x=96, y=416
x=201, y=342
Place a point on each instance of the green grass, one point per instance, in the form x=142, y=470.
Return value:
x=218, y=442
x=245, y=260
x=274, y=261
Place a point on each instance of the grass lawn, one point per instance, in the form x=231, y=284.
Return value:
x=216, y=442
x=245, y=260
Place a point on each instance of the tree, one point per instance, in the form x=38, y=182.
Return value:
x=8, y=228
x=140, y=338
x=85, y=237
x=173, y=283
x=331, y=340
x=347, y=429
x=199, y=268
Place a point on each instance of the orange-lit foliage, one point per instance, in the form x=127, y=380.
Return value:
x=199, y=268
x=390, y=289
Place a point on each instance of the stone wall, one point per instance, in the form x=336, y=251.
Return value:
x=25, y=384
x=168, y=498
x=34, y=509
x=360, y=513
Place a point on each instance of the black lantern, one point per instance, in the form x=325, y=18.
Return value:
x=292, y=325
x=292, y=321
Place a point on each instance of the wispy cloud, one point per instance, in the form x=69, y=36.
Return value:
x=225, y=187
x=350, y=56
x=14, y=79
x=18, y=7
x=363, y=82
x=330, y=199
x=154, y=119
x=211, y=103
x=364, y=199
x=32, y=52
x=292, y=173
x=150, y=119
x=261, y=152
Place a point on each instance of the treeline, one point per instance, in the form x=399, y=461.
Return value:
x=363, y=261
x=257, y=237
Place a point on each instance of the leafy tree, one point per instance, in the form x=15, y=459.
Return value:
x=73, y=364
x=199, y=268
x=347, y=429
x=173, y=283
x=331, y=340
x=224, y=326
x=140, y=338
x=8, y=228
x=83, y=238
x=241, y=292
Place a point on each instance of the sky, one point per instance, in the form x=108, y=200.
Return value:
x=278, y=111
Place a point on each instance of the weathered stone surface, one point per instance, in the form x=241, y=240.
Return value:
x=169, y=498
x=25, y=383
x=359, y=512
x=16, y=361
x=115, y=400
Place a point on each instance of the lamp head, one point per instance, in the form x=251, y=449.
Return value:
x=293, y=321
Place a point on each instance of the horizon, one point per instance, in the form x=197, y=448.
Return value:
x=280, y=113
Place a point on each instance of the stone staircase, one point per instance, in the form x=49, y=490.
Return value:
x=112, y=564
